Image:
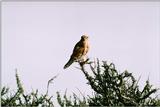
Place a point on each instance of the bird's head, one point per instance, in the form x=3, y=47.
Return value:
x=84, y=37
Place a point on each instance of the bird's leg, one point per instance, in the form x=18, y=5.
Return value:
x=83, y=60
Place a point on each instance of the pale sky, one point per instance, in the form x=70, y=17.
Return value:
x=38, y=39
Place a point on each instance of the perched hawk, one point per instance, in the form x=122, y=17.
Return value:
x=79, y=52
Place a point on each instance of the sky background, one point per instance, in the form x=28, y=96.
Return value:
x=38, y=39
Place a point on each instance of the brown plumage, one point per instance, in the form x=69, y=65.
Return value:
x=79, y=52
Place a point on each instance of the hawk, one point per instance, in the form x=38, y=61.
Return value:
x=79, y=52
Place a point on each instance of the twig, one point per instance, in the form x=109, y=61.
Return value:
x=50, y=81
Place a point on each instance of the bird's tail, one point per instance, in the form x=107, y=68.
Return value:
x=71, y=60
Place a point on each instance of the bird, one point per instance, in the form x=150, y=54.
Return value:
x=79, y=52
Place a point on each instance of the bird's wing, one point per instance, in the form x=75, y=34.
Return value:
x=77, y=46
x=78, y=50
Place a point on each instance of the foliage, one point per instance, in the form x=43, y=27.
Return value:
x=65, y=101
x=19, y=98
x=110, y=87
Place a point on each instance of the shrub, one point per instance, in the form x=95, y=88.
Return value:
x=110, y=87
x=19, y=98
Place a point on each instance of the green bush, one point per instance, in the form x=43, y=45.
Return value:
x=19, y=98
x=110, y=87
